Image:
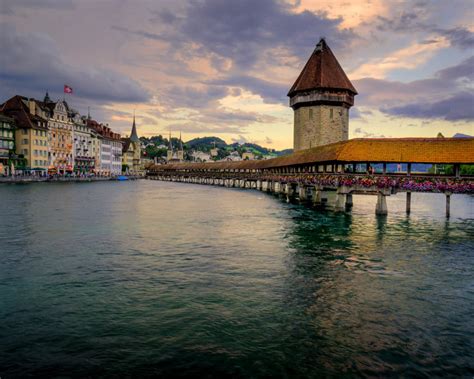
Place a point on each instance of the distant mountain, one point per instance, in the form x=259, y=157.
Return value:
x=284, y=152
x=461, y=135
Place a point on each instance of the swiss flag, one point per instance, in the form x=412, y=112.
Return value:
x=67, y=89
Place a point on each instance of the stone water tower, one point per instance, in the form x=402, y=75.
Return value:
x=321, y=98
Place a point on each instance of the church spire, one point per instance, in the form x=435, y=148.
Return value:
x=180, y=142
x=170, y=145
x=134, y=135
x=47, y=99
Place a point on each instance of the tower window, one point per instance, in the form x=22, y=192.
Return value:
x=310, y=114
x=331, y=113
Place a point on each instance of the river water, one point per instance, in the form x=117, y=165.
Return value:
x=147, y=278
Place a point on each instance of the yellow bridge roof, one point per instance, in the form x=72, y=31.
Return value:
x=359, y=150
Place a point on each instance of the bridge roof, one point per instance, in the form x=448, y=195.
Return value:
x=360, y=150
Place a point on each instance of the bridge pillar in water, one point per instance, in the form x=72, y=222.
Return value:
x=317, y=198
x=340, y=201
x=448, y=204
x=349, y=202
x=381, y=207
x=302, y=192
x=291, y=190
x=408, y=207
x=271, y=186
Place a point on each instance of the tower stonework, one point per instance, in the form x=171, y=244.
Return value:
x=321, y=98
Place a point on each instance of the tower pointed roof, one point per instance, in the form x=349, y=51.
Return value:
x=322, y=71
x=134, y=135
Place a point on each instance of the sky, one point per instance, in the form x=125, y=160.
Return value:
x=223, y=67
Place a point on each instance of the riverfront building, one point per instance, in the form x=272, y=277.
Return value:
x=31, y=132
x=110, y=152
x=7, y=142
x=86, y=146
x=321, y=98
x=61, y=134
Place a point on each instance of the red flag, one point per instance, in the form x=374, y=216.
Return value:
x=67, y=89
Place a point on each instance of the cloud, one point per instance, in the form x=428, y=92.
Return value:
x=417, y=19
x=193, y=97
x=234, y=117
x=361, y=133
x=269, y=91
x=244, y=30
x=10, y=7
x=454, y=108
x=447, y=95
x=459, y=37
x=240, y=140
x=194, y=127
x=34, y=64
x=409, y=57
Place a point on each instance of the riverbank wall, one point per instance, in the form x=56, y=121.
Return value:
x=33, y=179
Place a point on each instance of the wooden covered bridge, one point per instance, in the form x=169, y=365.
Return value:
x=364, y=166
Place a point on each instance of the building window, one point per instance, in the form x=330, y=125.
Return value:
x=310, y=114
x=25, y=141
x=331, y=113
x=24, y=132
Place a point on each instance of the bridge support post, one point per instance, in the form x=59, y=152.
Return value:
x=276, y=187
x=408, y=209
x=317, y=196
x=448, y=204
x=302, y=192
x=349, y=202
x=340, y=201
x=291, y=190
x=381, y=207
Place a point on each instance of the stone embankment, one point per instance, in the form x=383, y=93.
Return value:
x=39, y=179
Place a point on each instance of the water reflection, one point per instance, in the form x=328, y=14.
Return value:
x=372, y=291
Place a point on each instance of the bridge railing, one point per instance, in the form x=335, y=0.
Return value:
x=396, y=182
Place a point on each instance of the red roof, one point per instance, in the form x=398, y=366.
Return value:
x=322, y=71
x=17, y=108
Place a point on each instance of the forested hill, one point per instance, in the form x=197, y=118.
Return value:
x=207, y=143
